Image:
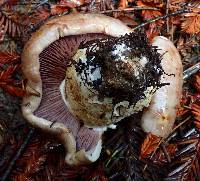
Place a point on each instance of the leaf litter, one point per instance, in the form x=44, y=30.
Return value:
x=128, y=153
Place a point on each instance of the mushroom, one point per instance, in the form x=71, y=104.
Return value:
x=44, y=61
x=86, y=72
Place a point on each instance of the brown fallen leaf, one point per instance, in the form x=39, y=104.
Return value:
x=196, y=113
x=150, y=3
x=197, y=82
x=149, y=145
x=38, y=16
x=8, y=58
x=10, y=23
x=5, y=75
x=58, y=9
x=191, y=24
x=10, y=85
x=11, y=2
x=12, y=90
x=154, y=29
x=71, y=3
x=191, y=20
x=30, y=162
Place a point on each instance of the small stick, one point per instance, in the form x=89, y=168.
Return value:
x=16, y=157
x=173, y=28
x=167, y=12
x=190, y=71
x=179, y=125
x=128, y=9
x=161, y=17
x=165, y=152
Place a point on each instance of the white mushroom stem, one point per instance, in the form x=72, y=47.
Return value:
x=160, y=115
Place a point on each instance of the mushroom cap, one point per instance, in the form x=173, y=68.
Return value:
x=73, y=25
x=160, y=116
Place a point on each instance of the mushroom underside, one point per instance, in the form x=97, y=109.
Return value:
x=54, y=61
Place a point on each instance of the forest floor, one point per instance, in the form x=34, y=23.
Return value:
x=131, y=154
